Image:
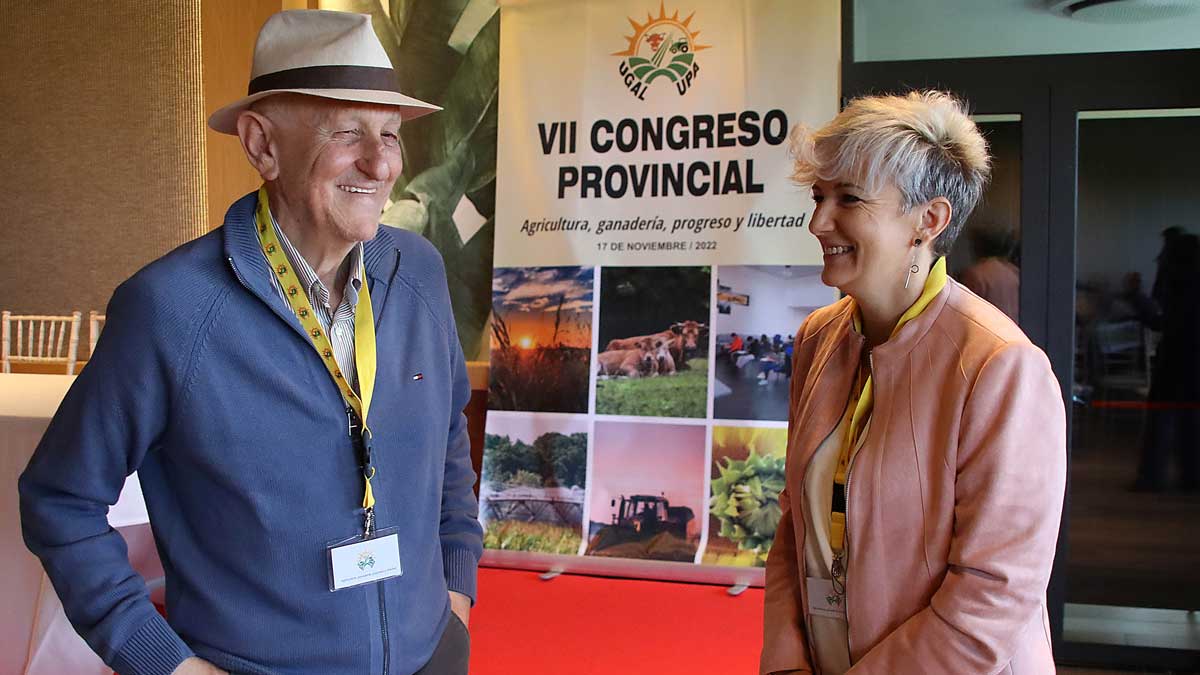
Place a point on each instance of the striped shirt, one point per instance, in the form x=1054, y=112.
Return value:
x=338, y=324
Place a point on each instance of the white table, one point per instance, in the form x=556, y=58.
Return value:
x=35, y=637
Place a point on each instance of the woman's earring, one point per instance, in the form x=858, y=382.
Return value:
x=913, y=268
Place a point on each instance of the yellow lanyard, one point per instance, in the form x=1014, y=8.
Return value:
x=364, y=333
x=863, y=406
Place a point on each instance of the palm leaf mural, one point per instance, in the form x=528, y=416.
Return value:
x=447, y=52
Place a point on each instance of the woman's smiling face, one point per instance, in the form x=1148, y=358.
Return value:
x=867, y=238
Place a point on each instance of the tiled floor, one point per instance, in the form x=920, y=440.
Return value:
x=1126, y=549
x=739, y=396
x=1163, y=628
x=1064, y=670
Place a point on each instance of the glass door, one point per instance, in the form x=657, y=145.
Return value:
x=1133, y=519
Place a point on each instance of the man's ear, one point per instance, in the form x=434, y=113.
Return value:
x=255, y=132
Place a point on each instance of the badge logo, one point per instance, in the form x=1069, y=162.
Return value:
x=662, y=47
x=366, y=559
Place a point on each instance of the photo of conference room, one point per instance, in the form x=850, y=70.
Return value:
x=759, y=310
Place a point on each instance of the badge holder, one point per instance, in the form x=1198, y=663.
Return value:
x=363, y=559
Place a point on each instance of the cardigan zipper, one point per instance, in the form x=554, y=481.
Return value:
x=236, y=273
x=383, y=619
x=383, y=625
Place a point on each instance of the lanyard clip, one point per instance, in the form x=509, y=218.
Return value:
x=369, y=521
x=365, y=451
x=361, y=437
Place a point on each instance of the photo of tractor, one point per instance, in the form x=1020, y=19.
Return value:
x=644, y=526
x=647, y=496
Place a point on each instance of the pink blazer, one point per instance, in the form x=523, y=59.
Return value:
x=955, y=498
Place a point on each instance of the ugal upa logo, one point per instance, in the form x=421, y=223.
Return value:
x=366, y=559
x=663, y=47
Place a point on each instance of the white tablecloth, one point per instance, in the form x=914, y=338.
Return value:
x=35, y=637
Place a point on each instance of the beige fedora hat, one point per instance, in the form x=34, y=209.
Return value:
x=320, y=53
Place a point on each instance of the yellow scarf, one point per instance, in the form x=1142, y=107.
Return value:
x=863, y=403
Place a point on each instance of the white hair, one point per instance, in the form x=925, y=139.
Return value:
x=923, y=142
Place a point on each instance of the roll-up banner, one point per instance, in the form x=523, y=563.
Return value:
x=652, y=265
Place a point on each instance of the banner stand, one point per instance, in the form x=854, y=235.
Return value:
x=652, y=265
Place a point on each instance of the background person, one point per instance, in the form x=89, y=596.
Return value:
x=1173, y=419
x=993, y=276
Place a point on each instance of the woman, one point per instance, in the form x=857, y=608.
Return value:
x=927, y=444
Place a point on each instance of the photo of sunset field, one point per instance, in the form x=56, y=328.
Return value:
x=541, y=339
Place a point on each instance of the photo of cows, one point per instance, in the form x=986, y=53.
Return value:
x=652, y=355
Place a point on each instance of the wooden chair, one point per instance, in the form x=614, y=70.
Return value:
x=40, y=340
x=95, y=325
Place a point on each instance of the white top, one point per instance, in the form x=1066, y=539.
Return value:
x=830, y=637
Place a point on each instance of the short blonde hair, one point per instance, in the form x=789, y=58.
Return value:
x=923, y=141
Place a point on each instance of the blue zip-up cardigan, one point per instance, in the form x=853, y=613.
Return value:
x=206, y=385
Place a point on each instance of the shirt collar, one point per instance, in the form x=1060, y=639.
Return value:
x=312, y=283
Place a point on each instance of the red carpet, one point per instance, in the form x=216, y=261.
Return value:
x=591, y=625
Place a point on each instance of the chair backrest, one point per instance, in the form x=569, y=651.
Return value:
x=95, y=325
x=1121, y=349
x=31, y=338
x=1113, y=337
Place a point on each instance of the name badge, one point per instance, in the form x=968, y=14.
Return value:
x=823, y=600
x=364, y=560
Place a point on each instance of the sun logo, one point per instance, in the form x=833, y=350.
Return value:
x=663, y=46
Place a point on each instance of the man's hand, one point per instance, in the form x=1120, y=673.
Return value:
x=461, y=606
x=196, y=666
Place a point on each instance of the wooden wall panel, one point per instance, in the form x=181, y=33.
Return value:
x=230, y=28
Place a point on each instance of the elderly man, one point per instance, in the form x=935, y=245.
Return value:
x=289, y=389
